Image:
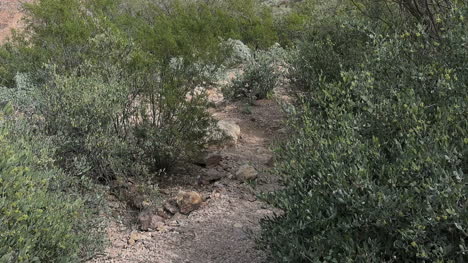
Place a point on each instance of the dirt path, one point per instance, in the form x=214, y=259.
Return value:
x=219, y=230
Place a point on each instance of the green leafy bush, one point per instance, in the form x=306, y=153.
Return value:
x=291, y=23
x=376, y=171
x=58, y=32
x=261, y=74
x=116, y=129
x=121, y=73
x=191, y=29
x=37, y=222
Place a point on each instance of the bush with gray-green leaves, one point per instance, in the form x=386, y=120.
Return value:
x=40, y=221
x=110, y=85
x=377, y=167
x=261, y=72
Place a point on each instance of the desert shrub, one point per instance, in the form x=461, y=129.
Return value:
x=261, y=74
x=290, y=27
x=80, y=114
x=117, y=129
x=239, y=52
x=38, y=221
x=376, y=171
x=195, y=28
x=325, y=50
x=120, y=73
x=58, y=32
x=430, y=14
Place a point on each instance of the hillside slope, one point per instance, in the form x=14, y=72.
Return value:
x=10, y=17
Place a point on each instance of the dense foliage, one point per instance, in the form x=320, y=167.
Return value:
x=376, y=171
x=111, y=77
x=375, y=167
x=262, y=71
x=38, y=223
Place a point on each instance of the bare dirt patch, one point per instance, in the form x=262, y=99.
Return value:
x=10, y=17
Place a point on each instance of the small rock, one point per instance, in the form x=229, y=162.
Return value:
x=237, y=225
x=160, y=226
x=213, y=160
x=133, y=238
x=231, y=129
x=162, y=213
x=149, y=220
x=219, y=185
x=211, y=176
x=188, y=201
x=246, y=172
x=165, y=191
x=170, y=207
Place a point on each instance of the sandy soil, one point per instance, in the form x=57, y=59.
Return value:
x=10, y=17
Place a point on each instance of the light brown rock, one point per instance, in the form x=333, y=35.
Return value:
x=134, y=237
x=162, y=213
x=230, y=129
x=246, y=172
x=188, y=201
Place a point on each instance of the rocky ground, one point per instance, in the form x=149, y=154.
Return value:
x=210, y=209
